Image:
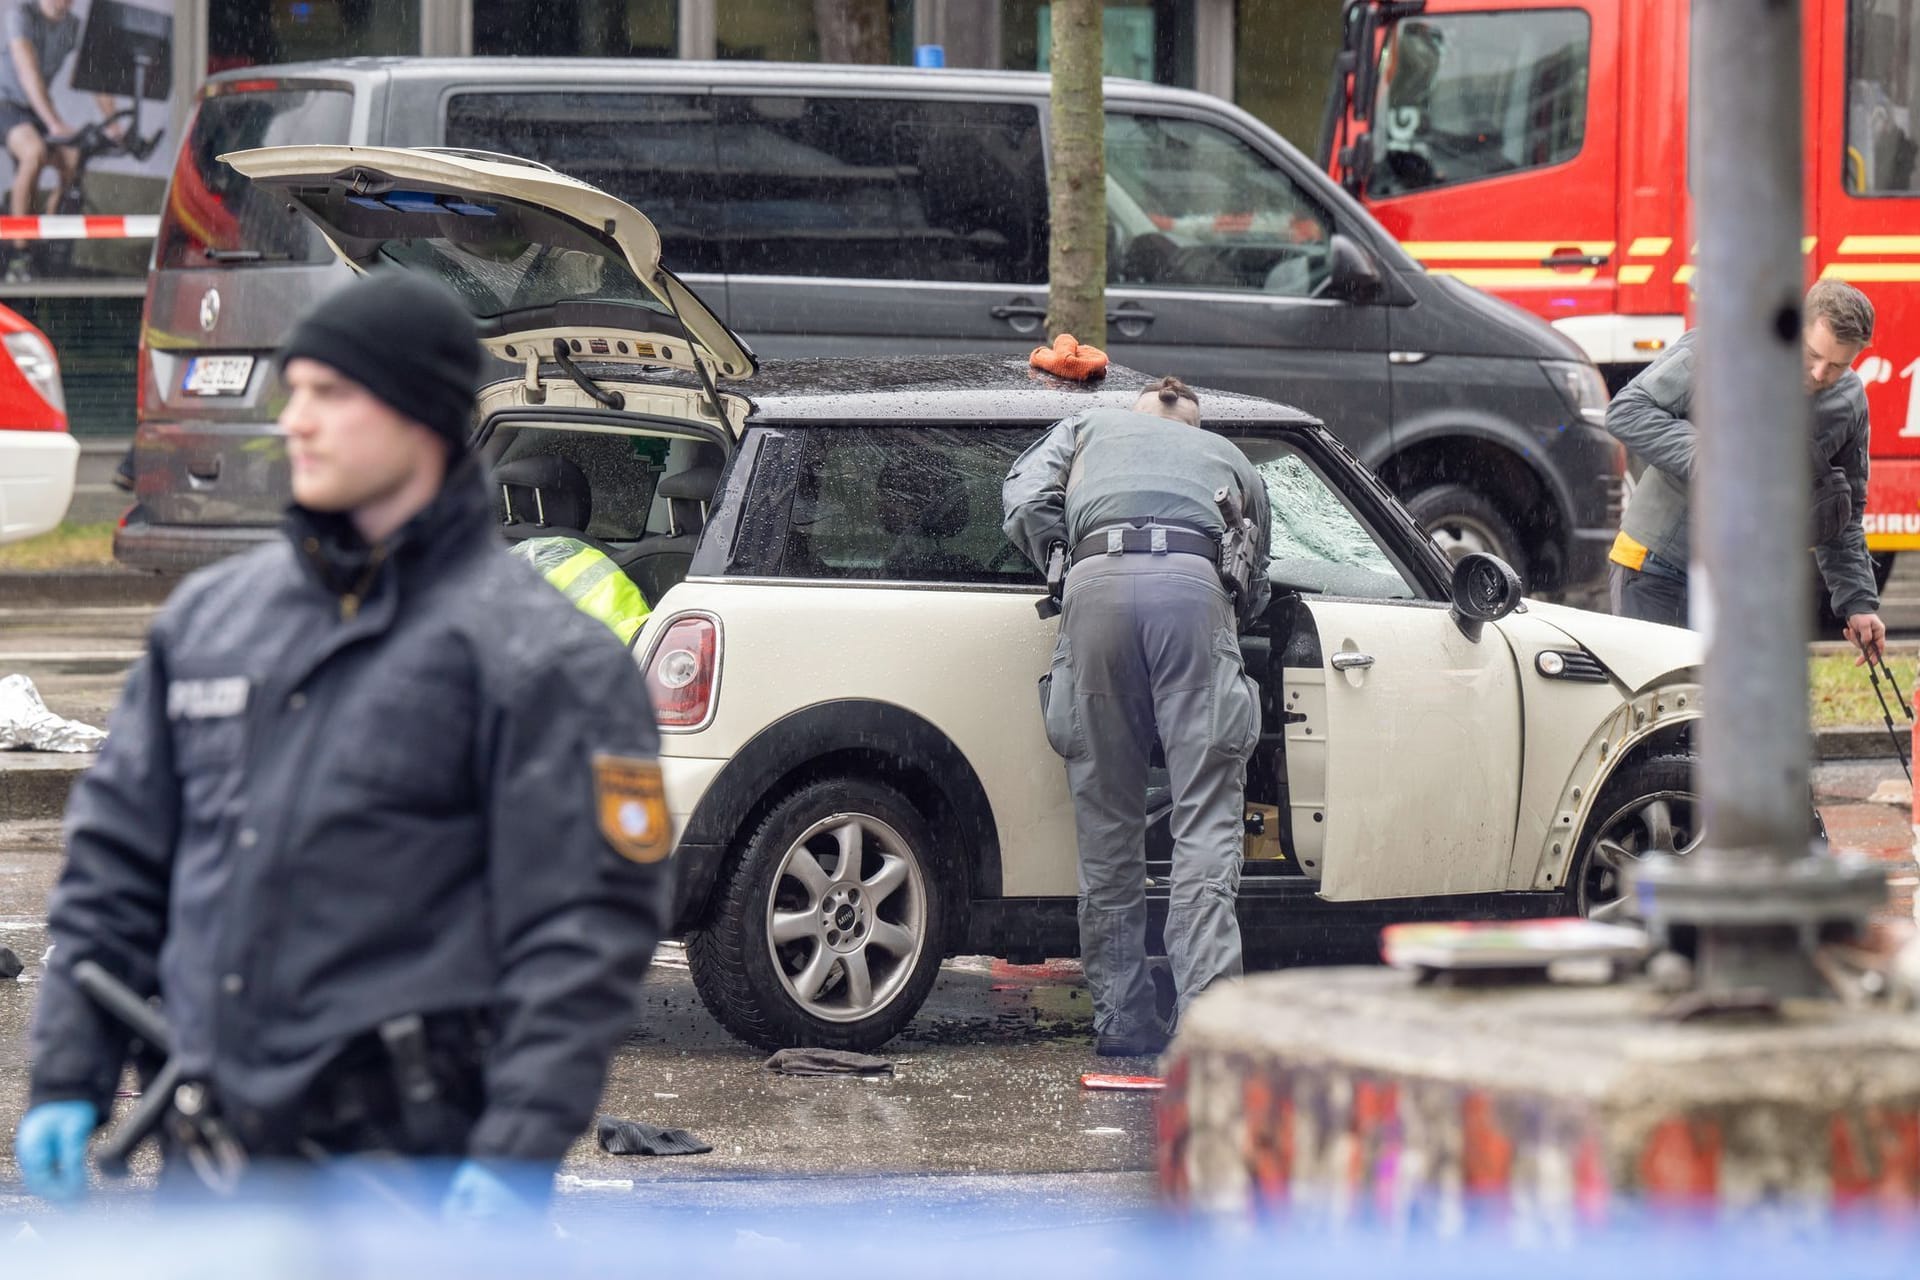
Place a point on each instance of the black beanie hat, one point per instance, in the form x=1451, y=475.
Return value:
x=405, y=339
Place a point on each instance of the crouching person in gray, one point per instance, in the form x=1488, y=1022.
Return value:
x=1148, y=645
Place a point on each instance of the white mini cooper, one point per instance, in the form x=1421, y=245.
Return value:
x=844, y=650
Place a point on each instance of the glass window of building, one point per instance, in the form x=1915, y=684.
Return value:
x=1473, y=96
x=1143, y=39
x=245, y=33
x=1192, y=206
x=576, y=28
x=868, y=31
x=1281, y=54
x=1883, y=72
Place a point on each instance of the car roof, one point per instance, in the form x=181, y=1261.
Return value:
x=669, y=72
x=966, y=388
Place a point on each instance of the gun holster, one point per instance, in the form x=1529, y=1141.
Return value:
x=1048, y=606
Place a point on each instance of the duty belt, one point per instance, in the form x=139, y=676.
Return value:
x=1124, y=540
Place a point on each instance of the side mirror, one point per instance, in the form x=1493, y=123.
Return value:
x=1352, y=273
x=1485, y=589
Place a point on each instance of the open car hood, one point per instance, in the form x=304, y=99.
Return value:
x=536, y=255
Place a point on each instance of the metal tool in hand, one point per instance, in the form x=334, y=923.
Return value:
x=1874, y=669
x=169, y=1098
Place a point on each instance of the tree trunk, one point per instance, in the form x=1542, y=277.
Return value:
x=1077, y=259
x=853, y=31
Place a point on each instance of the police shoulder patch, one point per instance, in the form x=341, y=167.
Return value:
x=631, y=801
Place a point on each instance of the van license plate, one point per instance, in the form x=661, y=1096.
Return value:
x=218, y=375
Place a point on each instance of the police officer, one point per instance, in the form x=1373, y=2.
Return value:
x=1148, y=645
x=378, y=817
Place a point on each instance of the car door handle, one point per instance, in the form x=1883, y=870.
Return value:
x=1018, y=311
x=1350, y=661
x=1575, y=260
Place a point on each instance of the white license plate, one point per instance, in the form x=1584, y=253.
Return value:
x=218, y=375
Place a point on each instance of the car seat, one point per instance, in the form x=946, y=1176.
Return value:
x=659, y=561
x=546, y=497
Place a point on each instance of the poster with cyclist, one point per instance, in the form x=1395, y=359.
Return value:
x=83, y=109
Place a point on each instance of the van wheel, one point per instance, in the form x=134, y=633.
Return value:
x=829, y=929
x=1463, y=522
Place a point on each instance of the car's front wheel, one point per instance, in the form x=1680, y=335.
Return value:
x=1647, y=808
x=828, y=932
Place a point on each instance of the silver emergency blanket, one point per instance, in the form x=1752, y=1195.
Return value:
x=27, y=725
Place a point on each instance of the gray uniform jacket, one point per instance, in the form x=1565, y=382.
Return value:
x=1111, y=466
x=305, y=823
x=1651, y=417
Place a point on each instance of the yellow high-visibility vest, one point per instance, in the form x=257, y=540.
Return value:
x=588, y=576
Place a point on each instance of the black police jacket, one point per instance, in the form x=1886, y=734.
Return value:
x=342, y=786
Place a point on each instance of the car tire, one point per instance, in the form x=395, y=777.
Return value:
x=1462, y=521
x=1648, y=806
x=824, y=955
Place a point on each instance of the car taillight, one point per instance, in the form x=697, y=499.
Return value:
x=683, y=674
x=33, y=356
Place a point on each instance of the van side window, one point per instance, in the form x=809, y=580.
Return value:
x=1190, y=206
x=652, y=150
x=1477, y=95
x=904, y=504
x=879, y=189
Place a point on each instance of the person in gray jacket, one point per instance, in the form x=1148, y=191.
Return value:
x=1652, y=417
x=1148, y=645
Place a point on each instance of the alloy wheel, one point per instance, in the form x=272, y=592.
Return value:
x=1659, y=823
x=847, y=917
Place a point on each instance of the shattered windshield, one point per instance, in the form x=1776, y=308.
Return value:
x=1319, y=544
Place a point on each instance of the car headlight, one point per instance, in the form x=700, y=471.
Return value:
x=34, y=357
x=1581, y=386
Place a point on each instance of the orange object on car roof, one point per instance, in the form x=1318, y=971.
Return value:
x=1068, y=358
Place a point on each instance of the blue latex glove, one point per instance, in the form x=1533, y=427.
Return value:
x=51, y=1146
x=477, y=1194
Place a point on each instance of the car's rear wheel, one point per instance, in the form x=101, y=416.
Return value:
x=1648, y=808
x=829, y=931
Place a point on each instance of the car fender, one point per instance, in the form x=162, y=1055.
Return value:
x=1638, y=654
x=1579, y=730
x=877, y=739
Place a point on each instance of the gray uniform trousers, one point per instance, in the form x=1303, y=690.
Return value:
x=1146, y=642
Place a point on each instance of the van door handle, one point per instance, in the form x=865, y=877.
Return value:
x=1575, y=260
x=1018, y=311
x=1350, y=661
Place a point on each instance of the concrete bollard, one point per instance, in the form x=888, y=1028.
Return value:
x=1349, y=1096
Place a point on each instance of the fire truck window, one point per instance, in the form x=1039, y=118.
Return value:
x=1883, y=73
x=1190, y=206
x=1472, y=96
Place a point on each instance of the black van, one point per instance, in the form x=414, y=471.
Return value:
x=849, y=211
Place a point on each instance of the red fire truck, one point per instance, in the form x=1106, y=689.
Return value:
x=1538, y=149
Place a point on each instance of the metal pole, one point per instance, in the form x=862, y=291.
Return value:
x=1756, y=897
x=1752, y=484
